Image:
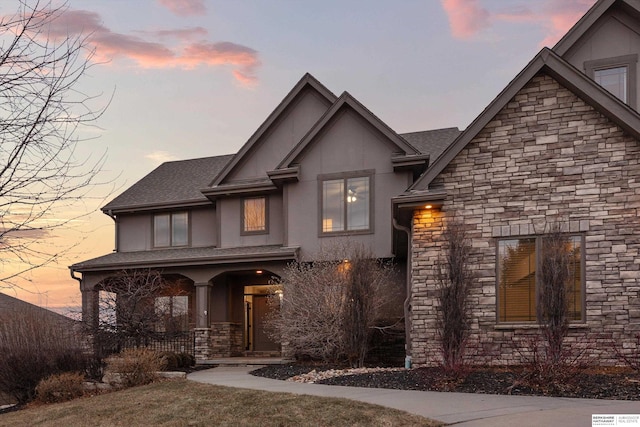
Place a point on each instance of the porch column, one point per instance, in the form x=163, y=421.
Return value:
x=90, y=308
x=203, y=292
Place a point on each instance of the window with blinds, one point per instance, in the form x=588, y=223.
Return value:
x=518, y=261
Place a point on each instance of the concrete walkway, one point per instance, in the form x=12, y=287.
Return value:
x=462, y=409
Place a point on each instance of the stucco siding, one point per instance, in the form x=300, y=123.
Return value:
x=285, y=133
x=134, y=232
x=348, y=144
x=616, y=35
x=231, y=220
x=203, y=227
x=546, y=157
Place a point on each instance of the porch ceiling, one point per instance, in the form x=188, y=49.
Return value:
x=187, y=257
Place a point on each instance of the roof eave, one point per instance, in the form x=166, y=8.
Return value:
x=155, y=206
x=239, y=189
x=191, y=262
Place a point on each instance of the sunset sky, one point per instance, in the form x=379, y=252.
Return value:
x=195, y=78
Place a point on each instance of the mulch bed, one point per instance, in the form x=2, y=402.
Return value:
x=593, y=383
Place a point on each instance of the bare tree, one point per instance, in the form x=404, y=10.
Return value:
x=331, y=307
x=454, y=279
x=41, y=110
x=137, y=307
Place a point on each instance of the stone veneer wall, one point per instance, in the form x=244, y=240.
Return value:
x=226, y=339
x=202, y=347
x=546, y=157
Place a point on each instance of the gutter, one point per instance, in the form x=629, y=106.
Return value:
x=407, y=301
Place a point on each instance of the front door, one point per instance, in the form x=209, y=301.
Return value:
x=262, y=341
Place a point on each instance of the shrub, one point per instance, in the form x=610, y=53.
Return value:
x=454, y=278
x=186, y=360
x=172, y=361
x=329, y=308
x=60, y=387
x=136, y=366
x=34, y=346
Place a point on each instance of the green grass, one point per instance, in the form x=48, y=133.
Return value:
x=187, y=403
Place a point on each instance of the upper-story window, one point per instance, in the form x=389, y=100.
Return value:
x=617, y=75
x=346, y=204
x=254, y=215
x=614, y=80
x=519, y=267
x=171, y=229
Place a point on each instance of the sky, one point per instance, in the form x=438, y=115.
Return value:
x=194, y=78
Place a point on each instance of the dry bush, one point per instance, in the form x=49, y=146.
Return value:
x=136, y=366
x=33, y=346
x=630, y=356
x=553, y=375
x=329, y=308
x=454, y=279
x=60, y=387
x=552, y=308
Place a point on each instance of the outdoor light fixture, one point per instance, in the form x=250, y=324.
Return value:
x=428, y=207
x=258, y=271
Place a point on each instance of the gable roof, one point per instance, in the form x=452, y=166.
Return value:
x=588, y=19
x=549, y=62
x=307, y=81
x=346, y=100
x=172, y=184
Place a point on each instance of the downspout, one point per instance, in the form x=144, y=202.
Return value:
x=110, y=214
x=407, y=301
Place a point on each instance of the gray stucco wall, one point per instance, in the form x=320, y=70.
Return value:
x=231, y=223
x=135, y=232
x=546, y=157
x=282, y=137
x=346, y=145
x=615, y=35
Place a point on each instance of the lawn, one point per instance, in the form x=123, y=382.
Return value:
x=182, y=403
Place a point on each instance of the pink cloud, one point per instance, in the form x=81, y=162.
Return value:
x=562, y=16
x=110, y=45
x=185, y=7
x=182, y=34
x=466, y=17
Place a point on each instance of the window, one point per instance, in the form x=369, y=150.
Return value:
x=518, y=262
x=254, y=215
x=617, y=75
x=172, y=313
x=171, y=229
x=614, y=80
x=346, y=204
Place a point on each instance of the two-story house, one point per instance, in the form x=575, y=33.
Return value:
x=559, y=145
x=320, y=167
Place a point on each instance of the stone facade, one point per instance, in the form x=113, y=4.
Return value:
x=226, y=339
x=547, y=157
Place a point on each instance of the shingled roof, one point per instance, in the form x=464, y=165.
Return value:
x=171, y=184
x=432, y=142
x=187, y=256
